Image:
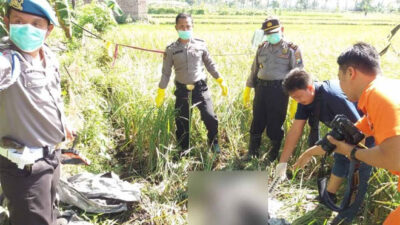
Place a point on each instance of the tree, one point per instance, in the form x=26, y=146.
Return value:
x=314, y=5
x=190, y=2
x=302, y=4
x=63, y=13
x=275, y=4
x=365, y=6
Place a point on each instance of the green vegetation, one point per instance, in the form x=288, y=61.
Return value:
x=289, y=18
x=3, y=8
x=99, y=16
x=120, y=128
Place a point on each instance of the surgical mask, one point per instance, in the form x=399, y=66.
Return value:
x=27, y=37
x=185, y=34
x=274, y=38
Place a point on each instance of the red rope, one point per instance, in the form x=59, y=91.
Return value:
x=143, y=49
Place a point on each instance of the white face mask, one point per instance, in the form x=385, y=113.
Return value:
x=27, y=37
x=185, y=34
x=274, y=38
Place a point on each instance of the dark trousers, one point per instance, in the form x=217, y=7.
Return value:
x=202, y=100
x=269, y=112
x=31, y=192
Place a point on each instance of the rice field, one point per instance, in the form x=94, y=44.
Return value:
x=114, y=111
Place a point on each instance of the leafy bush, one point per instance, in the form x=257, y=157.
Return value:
x=123, y=19
x=3, y=31
x=99, y=15
x=206, y=10
x=163, y=10
x=169, y=10
x=197, y=11
x=3, y=8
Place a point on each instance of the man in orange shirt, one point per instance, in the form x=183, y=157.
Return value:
x=379, y=99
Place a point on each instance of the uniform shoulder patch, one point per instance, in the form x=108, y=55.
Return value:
x=171, y=45
x=262, y=44
x=292, y=46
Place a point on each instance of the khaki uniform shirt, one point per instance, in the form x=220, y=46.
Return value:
x=274, y=62
x=31, y=108
x=187, y=60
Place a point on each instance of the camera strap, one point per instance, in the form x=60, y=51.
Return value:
x=351, y=190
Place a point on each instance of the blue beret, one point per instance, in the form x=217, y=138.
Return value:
x=36, y=7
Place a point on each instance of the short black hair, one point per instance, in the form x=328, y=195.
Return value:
x=296, y=79
x=361, y=56
x=183, y=16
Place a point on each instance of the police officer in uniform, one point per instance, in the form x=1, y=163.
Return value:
x=31, y=114
x=274, y=59
x=188, y=55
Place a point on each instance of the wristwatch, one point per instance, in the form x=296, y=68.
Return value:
x=353, y=153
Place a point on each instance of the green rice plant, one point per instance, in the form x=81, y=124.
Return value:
x=122, y=130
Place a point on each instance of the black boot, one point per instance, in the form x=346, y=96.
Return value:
x=255, y=142
x=213, y=144
x=274, y=151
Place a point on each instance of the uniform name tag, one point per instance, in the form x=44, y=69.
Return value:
x=177, y=52
x=284, y=56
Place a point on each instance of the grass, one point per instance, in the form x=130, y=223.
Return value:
x=121, y=129
x=288, y=18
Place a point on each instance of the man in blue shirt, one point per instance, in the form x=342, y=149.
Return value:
x=321, y=102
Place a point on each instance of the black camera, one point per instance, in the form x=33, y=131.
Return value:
x=342, y=130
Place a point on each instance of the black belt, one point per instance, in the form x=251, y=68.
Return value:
x=269, y=83
x=196, y=84
x=46, y=151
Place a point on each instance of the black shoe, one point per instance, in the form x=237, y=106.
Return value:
x=274, y=151
x=272, y=155
x=215, y=148
x=254, y=146
x=331, y=196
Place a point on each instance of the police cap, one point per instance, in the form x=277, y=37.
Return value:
x=271, y=25
x=40, y=8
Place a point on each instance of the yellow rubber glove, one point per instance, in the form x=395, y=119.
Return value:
x=224, y=88
x=160, y=97
x=246, y=96
x=292, y=108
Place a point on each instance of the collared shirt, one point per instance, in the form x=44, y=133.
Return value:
x=332, y=101
x=187, y=60
x=273, y=62
x=380, y=103
x=31, y=108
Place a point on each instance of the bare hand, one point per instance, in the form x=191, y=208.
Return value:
x=70, y=133
x=303, y=160
x=341, y=146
